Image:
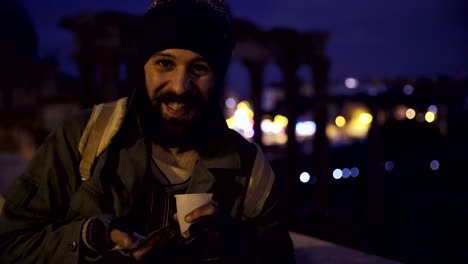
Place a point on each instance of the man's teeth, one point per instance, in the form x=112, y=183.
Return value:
x=176, y=106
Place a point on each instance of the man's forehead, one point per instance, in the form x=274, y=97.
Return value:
x=179, y=54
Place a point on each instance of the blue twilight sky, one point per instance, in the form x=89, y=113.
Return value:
x=369, y=38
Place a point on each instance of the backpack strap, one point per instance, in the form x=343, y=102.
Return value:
x=247, y=153
x=260, y=184
x=104, y=123
x=259, y=178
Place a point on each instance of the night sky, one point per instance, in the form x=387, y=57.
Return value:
x=369, y=38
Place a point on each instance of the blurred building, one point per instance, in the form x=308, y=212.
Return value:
x=34, y=94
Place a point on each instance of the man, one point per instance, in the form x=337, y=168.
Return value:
x=173, y=140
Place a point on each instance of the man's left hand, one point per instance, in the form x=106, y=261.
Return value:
x=197, y=214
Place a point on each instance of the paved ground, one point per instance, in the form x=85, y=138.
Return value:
x=313, y=250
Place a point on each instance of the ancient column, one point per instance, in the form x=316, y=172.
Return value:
x=109, y=45
x=256, y=91
x=109, y=70
x=84, y=29
x=286, y=53
x=132, y=69
x=253, y=53
x=320, y=197
x=374, y=214
x=313, y=47
x=85, y=60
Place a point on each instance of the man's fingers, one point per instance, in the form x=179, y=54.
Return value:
x=186, y=234
x=205, y=210
x=155, y=240
x=120, y=238
x=175, y=217
x=140, y=253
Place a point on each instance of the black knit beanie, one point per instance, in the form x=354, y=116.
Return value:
x=202, y=26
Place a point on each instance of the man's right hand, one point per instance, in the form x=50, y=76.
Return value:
x=121, y=239
x=162, y=242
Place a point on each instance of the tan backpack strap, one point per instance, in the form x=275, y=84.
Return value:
x=104, y=123
x=260, y=185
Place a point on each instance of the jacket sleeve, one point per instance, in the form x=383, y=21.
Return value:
x=33, y=224
x=265, y=216
x=273, y=242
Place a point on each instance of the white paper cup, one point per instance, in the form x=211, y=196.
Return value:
x=186, y=203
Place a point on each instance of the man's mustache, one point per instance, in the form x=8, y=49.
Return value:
x=188, y=98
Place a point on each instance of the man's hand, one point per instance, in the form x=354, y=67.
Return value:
x=164, y=240
x=213, y=235
x=197, y=214
x=121, y=239
x=124, y=241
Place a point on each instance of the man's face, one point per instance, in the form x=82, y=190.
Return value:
x=179, y=84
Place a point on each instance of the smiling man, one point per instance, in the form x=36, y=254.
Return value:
x=169, y=138
x=179, y=84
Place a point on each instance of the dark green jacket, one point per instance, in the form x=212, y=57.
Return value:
x=46, y=207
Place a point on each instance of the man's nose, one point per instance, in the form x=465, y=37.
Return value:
x=181, y=81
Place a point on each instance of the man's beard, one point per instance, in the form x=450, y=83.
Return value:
x=173, y=132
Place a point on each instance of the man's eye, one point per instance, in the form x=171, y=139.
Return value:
x=165, y=64
x=200, y=69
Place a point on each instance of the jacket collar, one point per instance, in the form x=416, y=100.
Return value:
x=203, y=177
x=132, y=169
x=133, y=166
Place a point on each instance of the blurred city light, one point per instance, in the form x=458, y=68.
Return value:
x=400, y=112
x=435, y=165
x=365, y=118
x=333, y=132
x=430, y=117
x=354, y=172
x=420, y=117
x=358, y=121
x=305, y=129
x=304, y=177
x=433, y=109
x=230, y=102
x=249, y=133
x=340, y=121
x=274, y=131
x=266, y=126
x=410, y=113
x=389, y=166
x=245, y=106
x=337, y=174
x=281, y=120
x=351, y=83
x=242, y=119
x=346, y=173
x=313, y=179
x=357, y=129
x=408, y=89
